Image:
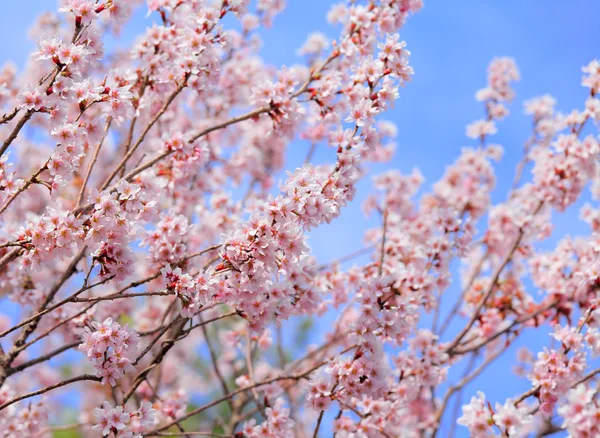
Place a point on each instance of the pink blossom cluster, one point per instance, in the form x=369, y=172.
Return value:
x=501, y=72
x=170, y=406
x=22, y=421
x=580, y=412
x=554, y=373
x=277, y=423
x=55, y=234
x=111, y=230
x=7, y=180
x=562, y=171
x=194, y=293
x=116, y=420
x=111, y=348
x=484, y=421
x=167, y=242
x=151, y=218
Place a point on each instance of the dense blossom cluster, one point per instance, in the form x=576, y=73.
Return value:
x=151, y=221
x=23, y=421
x=115, y=420
x=481, y=418
x=111, y=348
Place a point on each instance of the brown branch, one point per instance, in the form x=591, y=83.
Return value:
x=69, y=299
x=208, y=321
x=81, y=378
x=213, y=358
x=162, y=331
x=92, y=163
x=382, y=255
x=9, y=257
x=177, y=325
x=250, y=367
x=145, y=131
x=57, y=325
x=6, y=360
x=492, y=285
x=32, y=179
x=232, y=121
x=44, y=358
x=496, y=335
x=218, y=401
x=16, y=131
x=464, y=381
x=9, y=116
x=348, y=257
x=458, y=303
x=319, y=420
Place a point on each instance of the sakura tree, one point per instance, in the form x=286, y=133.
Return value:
x=155, y=259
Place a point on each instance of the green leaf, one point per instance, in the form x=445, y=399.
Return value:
x=219, y=430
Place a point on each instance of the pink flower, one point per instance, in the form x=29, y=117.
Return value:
x=540, y=107
x=512, y=420
x=109, y=419
x=111, y=348
x=481, y=128
x=477, y=418
x=592, y=79
x=146, y=414
x=32, y=99
x=314, y=44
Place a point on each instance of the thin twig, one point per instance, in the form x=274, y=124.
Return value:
x=92, y=163
x=50, y=388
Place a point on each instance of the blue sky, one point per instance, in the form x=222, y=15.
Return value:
x=452, y=43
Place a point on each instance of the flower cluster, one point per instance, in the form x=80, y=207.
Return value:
x=591, y=79
x=156, y=186
x=55, y=234
x=28, y=420
x=193, y=292
x=480, y=418
x=562, y=171
x=554, y=373
x=277, y=424
x=167, y=243
x=111, y=348
x=580, y=412
x=116, y=420
x=501, y=72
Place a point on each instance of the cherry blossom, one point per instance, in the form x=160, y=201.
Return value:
x=157, y=237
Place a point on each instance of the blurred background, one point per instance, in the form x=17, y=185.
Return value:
x=452, y=43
